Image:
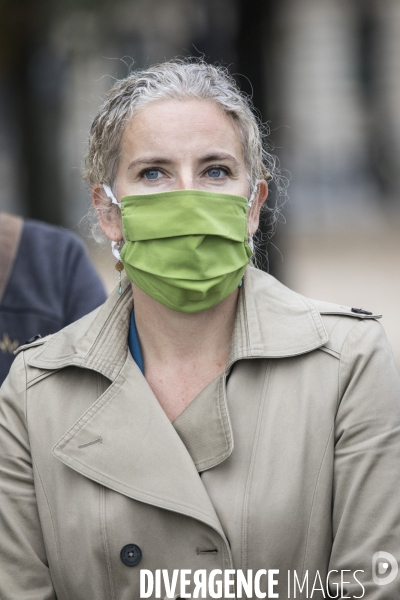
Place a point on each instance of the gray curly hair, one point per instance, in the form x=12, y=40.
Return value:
x=180, y=79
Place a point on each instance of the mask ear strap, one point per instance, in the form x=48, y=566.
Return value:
x=110, y=195
x=115, y=246
x=253, y=193
x=250, y=204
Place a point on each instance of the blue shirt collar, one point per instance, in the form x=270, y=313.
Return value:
x=134, y=343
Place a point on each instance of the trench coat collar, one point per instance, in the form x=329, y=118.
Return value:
x=125, y=441
x=272, y=321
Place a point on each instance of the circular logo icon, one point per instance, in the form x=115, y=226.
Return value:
x=384, y=568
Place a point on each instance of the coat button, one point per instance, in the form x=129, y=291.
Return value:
x=131, y=555
x=33, y=339
x=361, y=311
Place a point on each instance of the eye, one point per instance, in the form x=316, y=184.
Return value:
x=217, y=172
x=151, y=174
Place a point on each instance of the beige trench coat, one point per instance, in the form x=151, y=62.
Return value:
x=297, y=446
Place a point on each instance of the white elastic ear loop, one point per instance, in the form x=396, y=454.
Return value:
x=113, y=199
x=253, y=193
x=250, y=203
x=110, y=195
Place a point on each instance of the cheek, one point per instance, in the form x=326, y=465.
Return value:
x=243, y=181
x=238, y=184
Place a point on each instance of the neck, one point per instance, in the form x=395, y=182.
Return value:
x=169, y=336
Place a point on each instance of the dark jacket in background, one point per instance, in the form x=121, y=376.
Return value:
x=52, y=284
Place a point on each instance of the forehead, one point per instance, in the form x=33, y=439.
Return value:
x=181, y=126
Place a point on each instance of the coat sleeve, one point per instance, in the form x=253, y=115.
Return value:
x=366, y=493
x=24, y=571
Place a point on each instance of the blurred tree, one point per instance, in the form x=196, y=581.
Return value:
x=255, y=48
x=32, y=94
x=33, y=76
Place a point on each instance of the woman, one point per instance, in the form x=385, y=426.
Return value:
x=289, y=410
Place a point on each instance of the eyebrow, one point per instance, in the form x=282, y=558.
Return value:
x=150, y=161
x=160, y=160
x=217, y=156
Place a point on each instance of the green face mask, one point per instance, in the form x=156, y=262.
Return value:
x=186, y=249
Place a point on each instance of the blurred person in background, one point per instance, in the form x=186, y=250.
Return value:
x=46, y=282
x=206, y=417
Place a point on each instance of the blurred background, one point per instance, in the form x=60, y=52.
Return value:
x=325, y=74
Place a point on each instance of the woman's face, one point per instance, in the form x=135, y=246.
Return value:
x=182, y=144
x=177, y=145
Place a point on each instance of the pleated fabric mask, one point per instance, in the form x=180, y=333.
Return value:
x=187, y=249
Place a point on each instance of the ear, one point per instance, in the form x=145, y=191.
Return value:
x=253, y=217
x=109, y=215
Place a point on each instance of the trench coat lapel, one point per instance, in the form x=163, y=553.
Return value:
x=126, y=442
x=273, y=321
